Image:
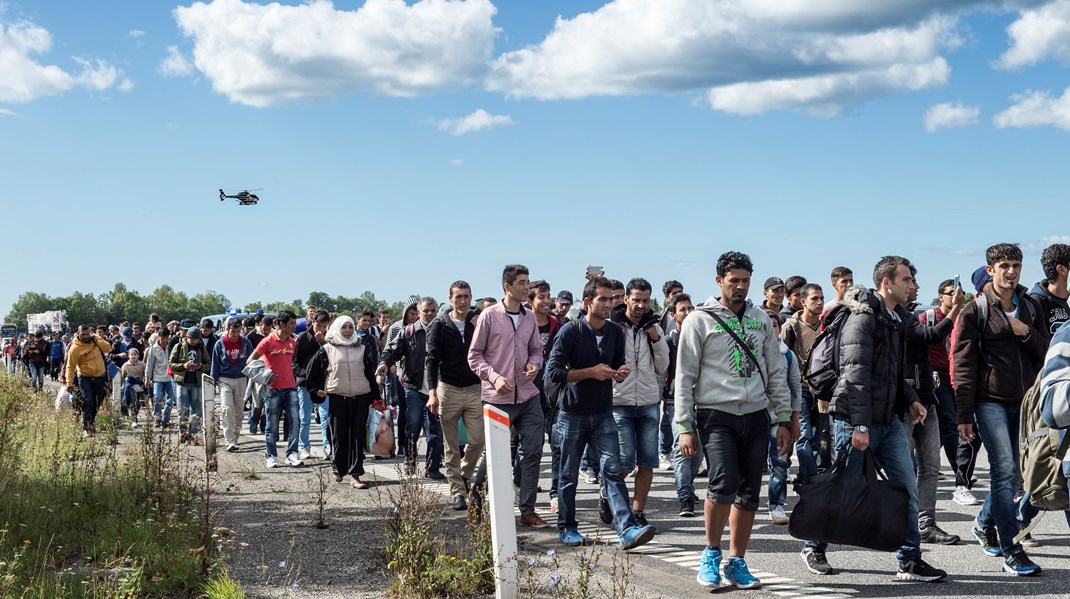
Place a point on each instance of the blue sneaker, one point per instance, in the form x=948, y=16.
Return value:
x=736, y=572
x=709, y=572
x=636, y=536
x=1019, y=564
x=572, y=538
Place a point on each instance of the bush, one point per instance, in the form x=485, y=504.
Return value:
x=422, y=561
x=84, y=518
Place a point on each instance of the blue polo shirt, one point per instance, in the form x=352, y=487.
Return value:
x=578, y=347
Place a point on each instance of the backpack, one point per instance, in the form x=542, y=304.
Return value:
x=1041, y=453
x=822, y=364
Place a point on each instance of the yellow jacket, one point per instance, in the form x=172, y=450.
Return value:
x=86, y=359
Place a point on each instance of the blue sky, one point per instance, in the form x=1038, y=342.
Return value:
x=401, y=146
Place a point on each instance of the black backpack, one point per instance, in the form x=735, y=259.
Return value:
x=822, y=364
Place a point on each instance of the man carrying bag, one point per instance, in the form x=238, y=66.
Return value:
x=870, y=400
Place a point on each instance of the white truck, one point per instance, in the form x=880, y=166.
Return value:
x=49, y=322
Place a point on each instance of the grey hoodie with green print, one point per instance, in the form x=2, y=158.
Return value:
x=712, y=373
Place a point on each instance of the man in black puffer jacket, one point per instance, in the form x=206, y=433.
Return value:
x=872, y=397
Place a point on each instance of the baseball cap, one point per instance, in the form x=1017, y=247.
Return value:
x=565, y=297
x=193, y=333
x=189, y=322
x=772, y=283
x=980, y=278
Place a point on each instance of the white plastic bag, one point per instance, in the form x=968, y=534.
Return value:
x=63, y=399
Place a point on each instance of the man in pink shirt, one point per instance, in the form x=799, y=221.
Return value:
x=506, y=354
x=277, y=351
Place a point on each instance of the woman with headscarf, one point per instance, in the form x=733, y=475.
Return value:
x=343, y=370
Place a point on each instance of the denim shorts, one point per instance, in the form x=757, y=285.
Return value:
x=637, y=428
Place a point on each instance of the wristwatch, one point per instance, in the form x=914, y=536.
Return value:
x=861, y=428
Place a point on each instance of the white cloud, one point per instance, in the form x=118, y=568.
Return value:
x=1036, y=109
x=25, y=79
x=6, y=112
x=1039, y=33
x=456, y=162
x=175, y=64
x=950, y=115
x=136, y=33
x=478, y=120
x=1056, y=239
x=261, y=55
x=815, y=56
x=125, y=85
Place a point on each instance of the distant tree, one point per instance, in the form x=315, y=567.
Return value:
x=30, y=302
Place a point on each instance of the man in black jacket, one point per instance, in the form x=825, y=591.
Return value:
x=453, y=389
x=308, y=343
x=924, y=438
x=871, y=399
x=410, y=345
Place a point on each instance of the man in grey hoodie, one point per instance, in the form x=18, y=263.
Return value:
x=729, y=372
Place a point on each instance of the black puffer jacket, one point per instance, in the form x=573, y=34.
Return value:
x=871, y=389
x=919, y=370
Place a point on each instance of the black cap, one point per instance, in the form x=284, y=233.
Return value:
x=773, y=282
x=565, y=297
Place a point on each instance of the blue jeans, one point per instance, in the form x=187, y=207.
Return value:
x=998, y=426
x=304, y=403
x=666, y=437
x=417, y=416
x=778, y=471
x=598, y=431
x=323, y=410
x=685, y=468
x=37, y=375
x=811, y=424
x=159, y=391
x=190, y=410
x=891, y=450
x=553, y=432
x=277, y=401
x=637, y=429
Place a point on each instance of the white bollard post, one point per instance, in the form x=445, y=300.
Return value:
x=208, y=421
x=500, y=495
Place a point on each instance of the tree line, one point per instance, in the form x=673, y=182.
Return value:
x=122, y=304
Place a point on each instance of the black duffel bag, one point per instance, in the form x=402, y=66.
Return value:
x=852, y=509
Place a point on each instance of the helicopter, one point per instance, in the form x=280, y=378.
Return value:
x=245, y=198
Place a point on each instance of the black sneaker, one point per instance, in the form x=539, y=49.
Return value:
x=917, y=570
x=604, y=513
x=1019, y=564
x=989, y=540
x=687, y=507
x=816, y=562
x=640, y=518
x=934, y=534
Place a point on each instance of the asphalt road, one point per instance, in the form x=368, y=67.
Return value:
x=667, y=566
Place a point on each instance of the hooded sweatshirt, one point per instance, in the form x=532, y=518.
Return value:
x=648, y=361
x=86, y=359
x=712, y=373
x=1054, y=310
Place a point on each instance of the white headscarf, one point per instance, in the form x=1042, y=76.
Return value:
x=334, y=332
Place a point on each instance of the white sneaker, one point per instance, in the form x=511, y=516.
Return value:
x=776, y=512
x=271, y=462
x=553, y=505
x=964, y=496
x=664, y=462
x=327, y=452
x=294, y=461
x=303, y=454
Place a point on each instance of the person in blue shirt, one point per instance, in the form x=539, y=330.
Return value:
x=55, y=356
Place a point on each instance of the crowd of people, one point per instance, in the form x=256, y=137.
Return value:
x=715, y=388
